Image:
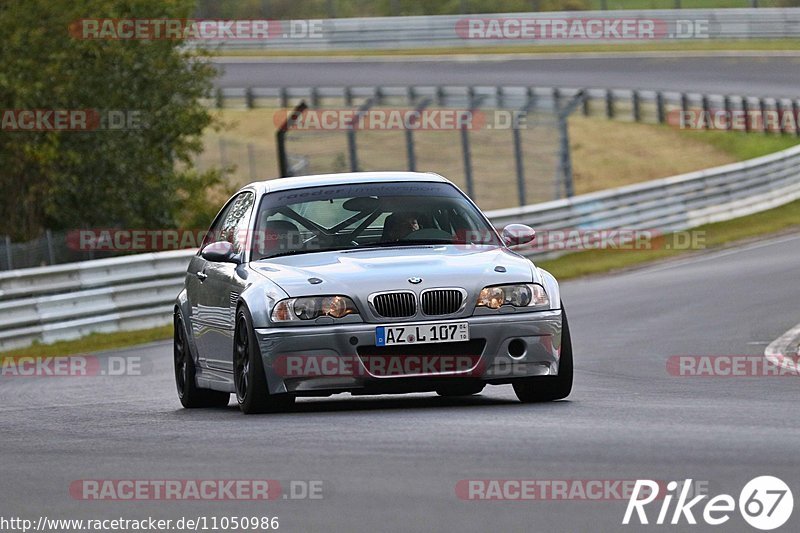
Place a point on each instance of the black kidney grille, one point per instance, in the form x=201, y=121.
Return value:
x=441, y=301
x=395, y=304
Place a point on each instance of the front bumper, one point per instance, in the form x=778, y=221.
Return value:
x=321, y=360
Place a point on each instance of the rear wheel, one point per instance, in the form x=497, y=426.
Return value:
x=249, y=378
x=190, y=395
x=549, y=388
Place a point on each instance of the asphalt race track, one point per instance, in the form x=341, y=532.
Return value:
x=392, y=463
x=736, y=73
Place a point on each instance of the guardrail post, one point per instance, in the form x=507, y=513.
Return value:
x=637, y=112
x=499, y=96
x=248, y=98
x=314, y=97
x=762, y=108
x=746, y=112
x=796, y=116
x=220, y=98
x=440, y=96
x=662, y=116
x=609, y=103
x=585, y=107
x=557, y=99
x=530, y=96
x=728, y=112
x=706, y=112
x=684, y=106
x=283, y=96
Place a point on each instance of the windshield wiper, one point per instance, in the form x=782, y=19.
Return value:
x=299, y=252
x=405, y=242
x=392, y=244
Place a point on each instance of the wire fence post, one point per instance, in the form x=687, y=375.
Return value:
x=565, y=156
x=280, y=139
x=51, y=255
x=465, y=147
x=9, y=255
x=518, y=158
x=410, y=152
x=251, y=160
x=352, y=147
x=637, y=111
x=662, y=115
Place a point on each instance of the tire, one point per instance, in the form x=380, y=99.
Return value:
x=460, y=389
x=550, y=388
x=249, y=378
x=190, y=395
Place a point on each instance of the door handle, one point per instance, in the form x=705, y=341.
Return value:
x=201, y=275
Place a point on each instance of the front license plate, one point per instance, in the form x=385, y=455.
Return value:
x=422, y=333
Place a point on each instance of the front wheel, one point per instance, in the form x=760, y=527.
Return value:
x=549, y=388
x=190, y=395
x=249, y=378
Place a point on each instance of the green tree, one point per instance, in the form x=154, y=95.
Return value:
x=140, y=176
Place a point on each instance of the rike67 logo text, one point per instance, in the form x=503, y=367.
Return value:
x=765, y=503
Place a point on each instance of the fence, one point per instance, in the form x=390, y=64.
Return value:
x=271, y=9
x=399, y=33
x=540, y=167
x=66, y=301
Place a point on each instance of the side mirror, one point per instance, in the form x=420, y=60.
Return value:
x=516, y=234
x=220, y=252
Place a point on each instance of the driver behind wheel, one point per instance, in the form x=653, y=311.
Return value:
x=399, y=225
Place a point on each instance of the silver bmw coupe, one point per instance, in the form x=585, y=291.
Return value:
x=367, y=283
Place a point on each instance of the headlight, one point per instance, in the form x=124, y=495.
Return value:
x=313, y=307
x=523, y=295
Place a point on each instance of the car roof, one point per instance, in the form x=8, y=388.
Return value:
x=283, y=184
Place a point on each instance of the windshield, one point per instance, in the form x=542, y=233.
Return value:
x=362, y=216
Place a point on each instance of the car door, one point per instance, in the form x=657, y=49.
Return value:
x=220, y=285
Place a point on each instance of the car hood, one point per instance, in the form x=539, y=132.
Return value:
x=358, y=273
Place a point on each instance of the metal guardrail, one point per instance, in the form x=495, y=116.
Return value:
x=67, y=301
x=450, y=30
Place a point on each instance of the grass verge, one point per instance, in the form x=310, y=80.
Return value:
x=715, y=235
x=565, y=267
x=93, y=343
